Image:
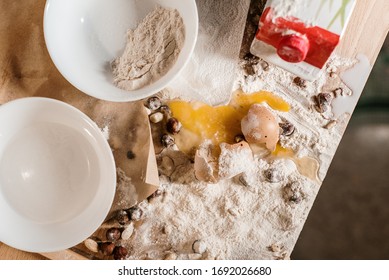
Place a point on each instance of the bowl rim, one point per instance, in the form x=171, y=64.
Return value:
x=126, y=95
x=108, y=185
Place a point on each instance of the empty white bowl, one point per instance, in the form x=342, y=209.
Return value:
x=83, y=37
x=57, y=175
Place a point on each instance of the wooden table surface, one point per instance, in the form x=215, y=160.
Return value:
x=365, y=34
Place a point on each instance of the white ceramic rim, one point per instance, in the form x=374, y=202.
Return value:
x=163, y=82
x=31, y=239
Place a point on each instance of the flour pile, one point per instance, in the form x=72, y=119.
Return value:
x=151, y=50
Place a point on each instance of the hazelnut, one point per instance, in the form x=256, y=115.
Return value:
x=113, y=234
x=157, y=193
x=338, y=91
x=135, y=213
x=170, y=256
x=272, y=175
x=199, y=247
x=274, y=248
x=91, y=245
x=322, y=102
x=120, y=253
x=153, y=103
x=243, y=180
x=165, y=110
x=156, y=117
x=331, y=124
x=287, y=129
x=173, y=126
x=167, y=140
x=107, y=248
x=128, y=231
x=249, y=69
x=122, y=217
x=299, y=82
x=293, y=193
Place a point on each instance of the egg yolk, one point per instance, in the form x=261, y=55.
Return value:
x=220, y=123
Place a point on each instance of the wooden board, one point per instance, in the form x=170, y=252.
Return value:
x=365, y=35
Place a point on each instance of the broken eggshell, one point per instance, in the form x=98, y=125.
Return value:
x=210, y=169
x=260, y=126
x=205, y=164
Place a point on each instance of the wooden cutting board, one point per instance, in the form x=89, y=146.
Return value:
x=365, y=35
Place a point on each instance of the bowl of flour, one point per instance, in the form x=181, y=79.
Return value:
x=123, y=50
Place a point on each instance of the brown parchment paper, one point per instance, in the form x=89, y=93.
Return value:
x=27, y=70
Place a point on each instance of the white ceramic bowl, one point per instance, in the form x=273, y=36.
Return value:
x=57, y=175
x=84, y=36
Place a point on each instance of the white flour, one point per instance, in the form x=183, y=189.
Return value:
x=151, y=50
x=257, y=214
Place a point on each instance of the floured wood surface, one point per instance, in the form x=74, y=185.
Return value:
x=237, y=218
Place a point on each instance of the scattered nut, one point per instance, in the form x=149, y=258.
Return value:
x=165, y=110
x=122, y=217
x=330, y=124
x=273, y=175
x=173, y=126
x=274, y=248
x=107, y=248
x=120, y=253
x=249, y=70
x=167, y=140
x=300, y=82
x=195, y=256
x=251, y=58
x=157, y=193
x=153, y=103
x=113, y=234
x=287, y=129
x=243, y=180
x=239, y=138
x=337, y=92
x=322, y=102
x=156, y=117
x=170, y=256
x=91, y=245
x=199, y=247
x=293, y=193
x=283, y=256
x=135, y=213
x=128, y=231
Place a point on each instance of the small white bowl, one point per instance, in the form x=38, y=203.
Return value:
x=83, y=37
x=57, y=175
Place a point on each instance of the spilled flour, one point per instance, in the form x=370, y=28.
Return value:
x=152, y=49
x=258, y=207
